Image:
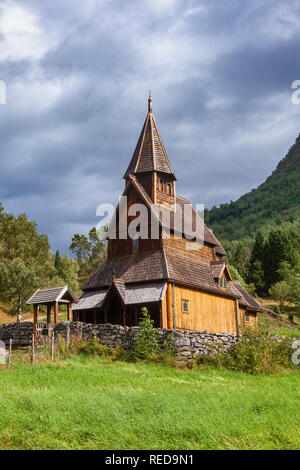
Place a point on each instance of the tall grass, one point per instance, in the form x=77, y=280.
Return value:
x=89, y=402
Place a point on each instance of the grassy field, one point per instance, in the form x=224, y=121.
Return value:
x=279, y=326
x=96, y=403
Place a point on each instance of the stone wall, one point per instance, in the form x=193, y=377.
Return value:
x=21, y=333
x=187, y=344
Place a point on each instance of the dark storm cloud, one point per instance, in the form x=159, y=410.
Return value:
x=77, y=75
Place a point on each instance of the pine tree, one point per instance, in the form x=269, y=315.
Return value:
x=256, y=274
x=57, y=262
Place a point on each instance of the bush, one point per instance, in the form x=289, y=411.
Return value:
x=147, y=341
x=255, y=353
x=90, y=346
x=277, y=309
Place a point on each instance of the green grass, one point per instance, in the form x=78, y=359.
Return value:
x=96, y=403
x=280, y=326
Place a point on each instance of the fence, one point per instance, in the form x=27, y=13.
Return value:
x=45, y=336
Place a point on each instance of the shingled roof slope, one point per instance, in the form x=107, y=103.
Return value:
x=149, y=153
x=177, y=224
x=246, y=299
x=90, y=299
x=53, y=294
x=193, y=272
x=137, y=267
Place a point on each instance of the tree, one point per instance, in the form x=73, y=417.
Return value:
x=98, y=248
x=280, y=291
x=68, y=274
x=25, y=261
x=256, y=273
x=81, y=247
x=237, y=277
x=57, y=262
x=291, y=275
x=279, y=248
x=89, y=251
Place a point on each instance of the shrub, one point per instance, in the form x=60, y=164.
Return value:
x=91, y=346
x=259, y=353
x=255, y=353
x=147, y=341
x=277, y=309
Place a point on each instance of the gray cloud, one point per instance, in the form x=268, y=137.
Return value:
x=77, y=76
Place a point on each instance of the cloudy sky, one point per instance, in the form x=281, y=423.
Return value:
x=77, y=75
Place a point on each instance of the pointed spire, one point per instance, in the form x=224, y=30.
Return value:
x=149, y=153
x=149, y=103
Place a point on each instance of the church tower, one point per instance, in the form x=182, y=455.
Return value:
x=150, y=164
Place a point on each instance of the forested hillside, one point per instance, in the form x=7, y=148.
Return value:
x=275, y=201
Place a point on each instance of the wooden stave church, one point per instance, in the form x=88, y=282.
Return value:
x=182, y=288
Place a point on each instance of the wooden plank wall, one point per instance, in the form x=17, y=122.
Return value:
x=253, y=319
x=206, y=312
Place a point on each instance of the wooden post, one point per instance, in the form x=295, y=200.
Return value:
x=9, y=353
x=35, y=317
x=32, y=348
x=170, y=307
x=48, y=315
x=52, y=346
x=237, y=317
x=68, y=337
x=55, y=312
x=105, y=313
x=69, y=312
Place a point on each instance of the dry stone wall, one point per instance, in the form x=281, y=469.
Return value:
x=187, y=344
x=20, y=333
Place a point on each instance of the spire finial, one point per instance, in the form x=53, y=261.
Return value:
x=150, y=102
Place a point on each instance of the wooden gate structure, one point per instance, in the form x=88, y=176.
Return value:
x=52, y=297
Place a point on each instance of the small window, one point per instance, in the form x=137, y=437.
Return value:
x=169, y=189
x=161, y=185
x=135, y=245
x=246, y=317
x=185, y=306
x=223, y=283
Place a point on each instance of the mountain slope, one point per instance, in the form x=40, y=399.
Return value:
x=275, y=201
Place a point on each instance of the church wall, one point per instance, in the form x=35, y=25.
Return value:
x=207, y=312
x=252, y=319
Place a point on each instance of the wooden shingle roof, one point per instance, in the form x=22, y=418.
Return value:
x=54, y=294
x=150, y=292
x=137, y=267
x=149, y=153
x=159, y=211
x=91, y=299
x=246, y=299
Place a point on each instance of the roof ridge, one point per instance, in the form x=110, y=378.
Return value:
x=183, y=198
x=165, y=260
x=152, y=143
x=142, y=142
